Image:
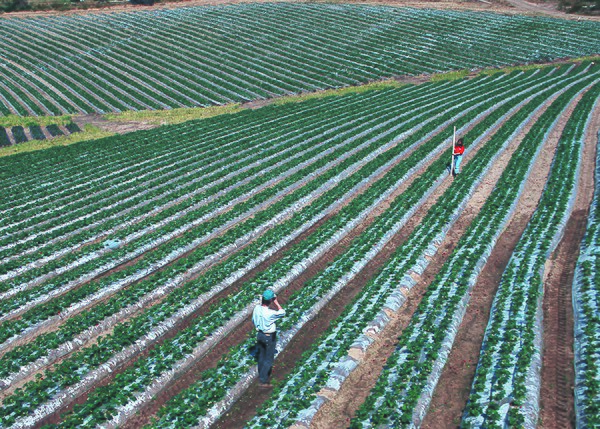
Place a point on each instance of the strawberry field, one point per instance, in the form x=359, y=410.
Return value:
x=215, y=55
x=130, y=265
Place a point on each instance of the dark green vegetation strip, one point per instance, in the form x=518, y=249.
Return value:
x=19, y=134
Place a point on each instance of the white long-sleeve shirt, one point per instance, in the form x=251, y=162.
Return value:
x=264, y=318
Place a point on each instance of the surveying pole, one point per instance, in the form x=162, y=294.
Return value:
x=453, y=145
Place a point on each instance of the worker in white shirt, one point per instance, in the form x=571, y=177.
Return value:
x=264, y=319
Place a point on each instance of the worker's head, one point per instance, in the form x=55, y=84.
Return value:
x=268, y=296
x=459, y=142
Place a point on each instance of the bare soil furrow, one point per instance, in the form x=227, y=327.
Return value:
x=557, y=408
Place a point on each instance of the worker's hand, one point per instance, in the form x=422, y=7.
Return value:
x=276, y=303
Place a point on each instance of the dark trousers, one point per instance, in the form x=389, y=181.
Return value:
x=266, y=354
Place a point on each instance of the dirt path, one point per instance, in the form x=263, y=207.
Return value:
x=547, y=9
x=557, y=401
x=500, y=6
x=337, y=413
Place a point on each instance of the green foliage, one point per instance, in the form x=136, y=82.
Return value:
x=174, y=116
x=28, y=121
x=454, y=75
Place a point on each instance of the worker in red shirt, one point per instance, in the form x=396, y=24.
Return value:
x=459, y=149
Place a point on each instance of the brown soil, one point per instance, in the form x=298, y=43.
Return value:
x=557, y=401
x=119, y=127
x=337, y=413
x=556, y=396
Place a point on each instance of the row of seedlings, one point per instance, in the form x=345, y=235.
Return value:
x=187, y=298
x=180, y=177
x=314, y=51
x=586, y=305
x=193, y=404
x=403, y=391
x=507, y=381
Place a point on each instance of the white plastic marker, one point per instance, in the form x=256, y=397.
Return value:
x=453, y=146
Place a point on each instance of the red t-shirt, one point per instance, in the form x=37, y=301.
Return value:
x=459, y=150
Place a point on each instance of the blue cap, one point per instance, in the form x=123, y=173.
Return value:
x=268, y=295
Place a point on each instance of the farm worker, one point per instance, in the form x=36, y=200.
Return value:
x=459, y=149
x=264, y=319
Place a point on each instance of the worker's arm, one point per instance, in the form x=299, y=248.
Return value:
x=280, y=311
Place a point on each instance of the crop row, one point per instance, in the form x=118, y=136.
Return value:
x=173, y=208
x=190, y=194
x=221, y=273
x=47, y=310
x=215, y=55
x=403, y=391
x=506, y=386
x=190, y=340
x=586, y=303
x=312, y=373
x=162, y=169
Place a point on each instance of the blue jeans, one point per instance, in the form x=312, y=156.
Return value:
x=266, y=354
x=457, y=160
